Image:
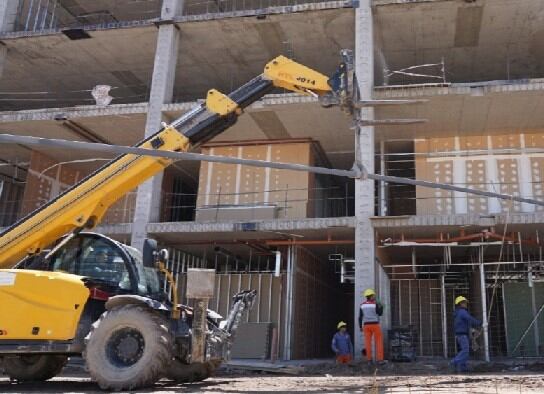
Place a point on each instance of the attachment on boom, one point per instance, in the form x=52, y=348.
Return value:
x=288, y=74
x=219, y=103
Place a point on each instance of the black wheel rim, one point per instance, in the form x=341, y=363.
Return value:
x=125, y=347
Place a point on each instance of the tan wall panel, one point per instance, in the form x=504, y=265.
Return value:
x=252, y=179
x=223, y=182
x=257, y=186
x=477, y=174
x=476, y=179
x=505, y=141
x=534, y=140
x=473, y=142
x=508, y=173
x=203, y=180
x=444, y=144
x=434, y=201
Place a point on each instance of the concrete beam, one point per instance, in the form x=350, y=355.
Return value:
x=365, y=272
x=148, y=198
x=426, y=221
x=379, y=3
x=263, y=225
x=465, y=89
x=90, y=111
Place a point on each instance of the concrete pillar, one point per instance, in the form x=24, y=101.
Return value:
x=365, y=265
x=8, y=15
x=148, y=198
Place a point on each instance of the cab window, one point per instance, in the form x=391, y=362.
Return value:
x=92, y=257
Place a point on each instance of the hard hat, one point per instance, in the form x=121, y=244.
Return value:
x=460, y=299
x=369, y=292
x=341, y=324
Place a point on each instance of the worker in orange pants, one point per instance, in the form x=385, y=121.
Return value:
x=369, y=321
x=373, y=330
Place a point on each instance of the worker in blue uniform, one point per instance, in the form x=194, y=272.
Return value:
x=462, y=323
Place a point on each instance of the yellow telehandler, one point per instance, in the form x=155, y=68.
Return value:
x=65, y=291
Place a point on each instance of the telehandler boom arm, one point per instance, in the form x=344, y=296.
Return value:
x=84, y=204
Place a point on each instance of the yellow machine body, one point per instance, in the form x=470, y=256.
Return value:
x=38, y=305
x=288, y=74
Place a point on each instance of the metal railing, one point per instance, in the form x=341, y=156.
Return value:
x=47, y=15
x=43, y=15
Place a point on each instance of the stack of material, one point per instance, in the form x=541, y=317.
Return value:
x=402, y=344
x=252, y=341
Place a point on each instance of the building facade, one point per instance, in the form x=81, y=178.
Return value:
x=476, y=64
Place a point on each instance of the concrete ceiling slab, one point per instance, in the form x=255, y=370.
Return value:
x=54, y=71
x=227, y=53
x=477, y=110
x=484, y=40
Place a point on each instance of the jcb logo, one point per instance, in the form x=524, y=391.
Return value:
x=3, y=332
x=285, y=75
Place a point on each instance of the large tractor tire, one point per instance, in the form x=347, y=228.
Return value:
x=34, y=368
x=128, y=347
x=188, y=373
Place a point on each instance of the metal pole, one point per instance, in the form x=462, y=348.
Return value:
x=444, y=317
x=287, y=334
x=533, y=306
x=53, y=14
x=381, y=190
x=484, y=307
x=29, y=14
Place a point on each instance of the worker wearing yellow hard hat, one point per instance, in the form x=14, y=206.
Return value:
x=369, y=321
x=341, y=344
x=462, y=323
x=460, y=299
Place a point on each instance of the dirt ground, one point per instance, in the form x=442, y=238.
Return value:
x=326, y=378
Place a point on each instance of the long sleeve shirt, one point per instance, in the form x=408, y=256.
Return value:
x=341, y=344
x=370, y=312
x=463, y=320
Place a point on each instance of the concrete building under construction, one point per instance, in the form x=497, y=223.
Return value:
x=309, y=244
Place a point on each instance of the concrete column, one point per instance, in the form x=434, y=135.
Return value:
x=8, y=15
x=148, y=198
x=364, y=190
